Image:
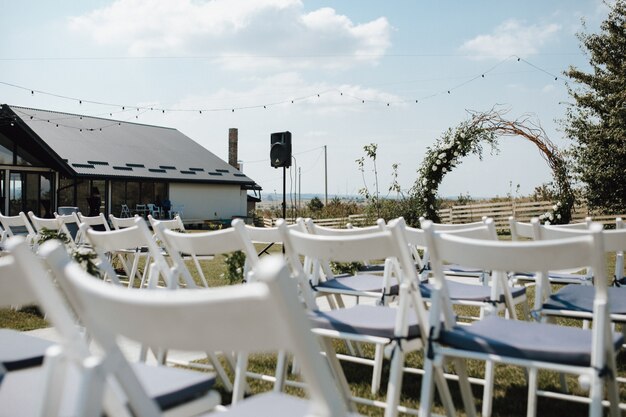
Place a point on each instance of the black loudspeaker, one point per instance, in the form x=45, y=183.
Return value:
x=280, y=149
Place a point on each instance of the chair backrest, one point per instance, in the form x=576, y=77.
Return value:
x=122, y=222
x=614, y=240
x=130, y=238
x=175, y=224
x=538, y=256
x=441, y=227
x=14, y=289
x=209, y=243
x=53, y=224
x=390, y=242
x=71, y=222
x=18, y=225
x=232, y=318
x=528, y=230
x=328, y=231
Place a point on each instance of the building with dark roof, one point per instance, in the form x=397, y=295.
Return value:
x=50, y=159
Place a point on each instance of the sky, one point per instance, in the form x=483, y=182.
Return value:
x=336, y=74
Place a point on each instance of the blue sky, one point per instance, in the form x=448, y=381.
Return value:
x=224, y=54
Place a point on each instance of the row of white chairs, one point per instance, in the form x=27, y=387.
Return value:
x=405, y=327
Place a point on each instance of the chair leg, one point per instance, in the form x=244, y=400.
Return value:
x=531, y=409
x=378, y=369
x=428, y=392
x=281, y=371
x=595, y=394
x=240, y=377
x=466, y=388
x=394, y=387
x=219, y=370
x=611, y=385
x=488, y=390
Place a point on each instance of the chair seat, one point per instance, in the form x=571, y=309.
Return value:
x=356, y=283
x=19, y=350
x=462, y=270
x=168, y=386
x=469, y=292
x=525, y=340
x=556, y=277
x=580, y=298
x=363, y=319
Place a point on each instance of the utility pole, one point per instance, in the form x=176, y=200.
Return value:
x=325, y=177
x=299, y=188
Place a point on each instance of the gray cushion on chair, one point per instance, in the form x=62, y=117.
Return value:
x=469, y=292
x=169, y=386
x=172, y=386
x=461, y=269
x=562, y=277
x=19, y=350
x=269, y=405
x=525, y=340
x=359, y=282
x=580, y=298
x=363, y=319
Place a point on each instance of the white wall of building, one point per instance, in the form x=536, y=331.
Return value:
x=208, y=201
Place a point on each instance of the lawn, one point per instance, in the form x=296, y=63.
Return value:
x=510, y=388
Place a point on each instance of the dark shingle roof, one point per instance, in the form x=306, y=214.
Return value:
x=111, y=148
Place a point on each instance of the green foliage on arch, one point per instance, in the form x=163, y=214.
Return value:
x=470, y=137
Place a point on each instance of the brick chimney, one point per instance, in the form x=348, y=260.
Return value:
x=232, y=147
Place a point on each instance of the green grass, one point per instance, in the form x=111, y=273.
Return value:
x=509, y=391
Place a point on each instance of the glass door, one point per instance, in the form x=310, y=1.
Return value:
x=16, y=186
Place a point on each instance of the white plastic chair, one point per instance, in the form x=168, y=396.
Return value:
x=590, y=354
x=523, y=230
x=18, y=225
x=232, y=318
x=359, y=284
x=72, y=380
x=135, y=242
x=71, y=223
x=397, y=331
x=98, y=222
x=54, y=224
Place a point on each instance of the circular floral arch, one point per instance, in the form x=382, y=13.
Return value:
x=469, y=138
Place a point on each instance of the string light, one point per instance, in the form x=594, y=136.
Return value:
x=292, y=101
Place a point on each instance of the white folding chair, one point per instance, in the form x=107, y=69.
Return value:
x=455, y=269
x=523, y=230
x=589, y=353
x=360, y=284
x=17, y=349
x=200, y=245
x=231, y=318
x=18, y=226
x=71, y=223
x=55, y=225
x=576, y=301
x=73, y=380
x=397, y=331
x=132, y=242
x=490, y=296
x=98, y=222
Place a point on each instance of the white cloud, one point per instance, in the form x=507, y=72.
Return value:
x=512, y=37
x=242, y=33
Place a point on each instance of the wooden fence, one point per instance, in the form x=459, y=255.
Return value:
x=500, y=212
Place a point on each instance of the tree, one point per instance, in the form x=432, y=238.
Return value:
x=315, y=204
x=596, y=120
